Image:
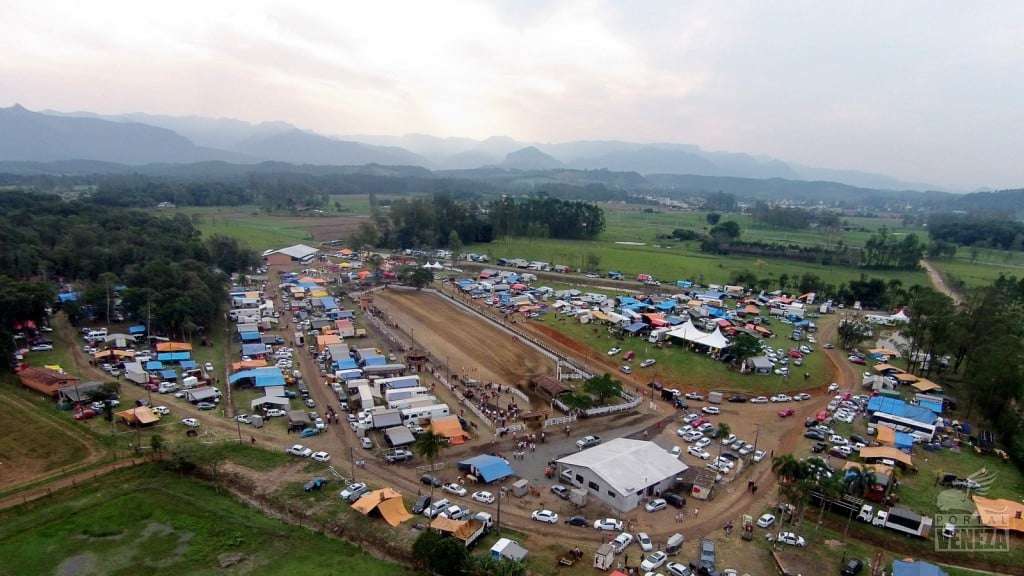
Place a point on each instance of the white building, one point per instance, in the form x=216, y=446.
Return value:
x=622, y=471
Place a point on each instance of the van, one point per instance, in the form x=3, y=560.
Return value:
x=485, y=519
x=435, y=508
x=675, y=542
x=167, y=387
x=190, y=382
x=707, y=554
x=674, y=499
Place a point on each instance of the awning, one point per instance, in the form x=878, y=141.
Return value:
x=275, y=400
x=887, y=453
x=261, y=377
x=488, y=468
x=925, y=385
x=399, y=436
x=138, y=415
x=882, y=368
x=1005, y=514
x=450, y=428
x=173, y=347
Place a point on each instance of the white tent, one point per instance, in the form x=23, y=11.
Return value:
x=434, y=266
x=691, y=333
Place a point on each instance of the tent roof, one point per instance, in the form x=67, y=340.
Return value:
x=905, y=378
x=997, y=513
x=244, y=364
x=297, y=252
x=140, y=414
x=262, y=377
x=886, y=435
x=399, y=436
x=489, y=468
x=275, y=400
x=173, y=356
x=626, y=464
x=450, y=428
x=173, y=347
x=898, y=407
x=253, y=349
x=447, y=525
x=690, y=333
x=886, y=452
x=386, y=501
x=926, y=385
x=883, y=367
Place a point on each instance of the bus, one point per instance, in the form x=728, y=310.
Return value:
x=920, y=430
x=419, y=414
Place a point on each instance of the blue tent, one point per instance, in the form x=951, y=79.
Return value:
x=347, y=375
x=253, y=349
x=933, y=405
x=328, y=303
x=487, y=468
x=666, y=305
x=918, y=568
x=168, y=374
x=188, y=365
x=674, y=320
x=261, y=377
x=898, y=407
x=374, y=360
x=154, y=365
x=173, y=356
x=67, y=297
x=250, y=337
x=904, y=441
x=345, y=364
x=137, y=329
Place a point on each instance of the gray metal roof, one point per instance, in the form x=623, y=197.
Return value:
x=627, y=465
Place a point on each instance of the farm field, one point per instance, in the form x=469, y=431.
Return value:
x=149, y=518
x=681, y=368
x=683, y=261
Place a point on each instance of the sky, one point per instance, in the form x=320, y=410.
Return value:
x=923, y=91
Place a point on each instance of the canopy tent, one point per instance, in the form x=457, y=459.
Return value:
x=387, y=502
x=140, y=415
x=689, y=333
x=1000, y=513
x=254, y=349
x=250, y=336
x=905, y=378
x=883, y=452
x=886, y=436
x=898, y=407
x=635, y=327
x=173, y=347
x=173, y=356
x=275, y=400
x=487, y=468
x=260, y=377
x=154, y=365
x=168, y=374
x=116, y=353
x=450, y=428
x=399, y=436
x=925, y=385
x=188, y=365
x=245, y=364
x=883, y=368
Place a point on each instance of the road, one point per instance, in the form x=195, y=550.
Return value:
x=939, y=282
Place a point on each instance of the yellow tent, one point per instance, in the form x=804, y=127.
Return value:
x=886, y=436
x=887, y=368
x=906, y=378
x=138, y=415
x=1001, y=513
x=887, y=453
x=449, y=427
x=926, y=385
x=173, y=347
x=388, y=502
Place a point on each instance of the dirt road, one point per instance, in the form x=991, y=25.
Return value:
x=939, y=283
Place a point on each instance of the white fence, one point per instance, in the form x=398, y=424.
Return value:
x=559, y=421
x=630, y=403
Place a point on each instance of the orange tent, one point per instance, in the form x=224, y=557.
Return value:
x=450, y=428
x=387, y=502
x=1001, y=513
x=173, y=347
x=325, y=341
x=886, y=435
x=246, y=364
x=886, y=453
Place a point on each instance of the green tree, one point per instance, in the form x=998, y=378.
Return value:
x=725, y=231
x=488, y=566
x=713, y=218
x=852, y=331
x=156, y=442
x=593, y=261
x=429, y=446
x=440, y=555
x=455, y=245
x=744, y=346
x=577, y=401
x=603, y=387
x=416, y=276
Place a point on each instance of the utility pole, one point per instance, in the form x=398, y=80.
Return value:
x=352, y=460
x=501, y=494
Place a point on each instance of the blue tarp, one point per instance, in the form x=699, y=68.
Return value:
x=898, y=407
x=918, y=568
x=173, y=356
x=374, y=361
x=345, y=364
x=253, y=349
x=628, y=301
x=250, y=337
x=138, y=329
x=328, y=303
x=635, y=327
x=345, y=314
x=904, y=441
x=487, y=468
x=168, y=374
x=409, y=382
x=154, y=365
x=67, y=297
x=684, y=284
x=931, y=405
x=666, y=305
x=188, y=365
x=674, y=320
x=347, y=375
x=308, y=285
x=261, y=377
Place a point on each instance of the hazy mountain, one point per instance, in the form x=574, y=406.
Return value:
x=858, y=178
x=35, y=137
x=530, y=158
x=301, y=147
x=223, y=133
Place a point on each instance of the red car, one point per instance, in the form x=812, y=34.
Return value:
x=85, y=414
x=786, y=413
x=856, y=360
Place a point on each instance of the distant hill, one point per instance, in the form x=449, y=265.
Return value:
x=530, y=158
x=299, y=147
x=34, y=137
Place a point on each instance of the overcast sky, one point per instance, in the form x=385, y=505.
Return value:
x=924, y=91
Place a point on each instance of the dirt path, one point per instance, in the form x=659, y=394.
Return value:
x=939, y=282
x=65, y=482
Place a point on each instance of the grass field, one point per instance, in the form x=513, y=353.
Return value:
x=684, y=261
x=679, y=367
x=148, y=519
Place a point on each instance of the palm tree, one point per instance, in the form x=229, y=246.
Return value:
x=830, y=487
x=429, y=445
x=723, y=431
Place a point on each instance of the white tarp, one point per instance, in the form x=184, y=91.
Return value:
x=690, y=333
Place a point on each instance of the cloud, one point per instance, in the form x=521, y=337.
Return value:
x=921, y=91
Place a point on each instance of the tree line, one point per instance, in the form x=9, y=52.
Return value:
x=977, y=230
x=793, y=217
x=158, y=266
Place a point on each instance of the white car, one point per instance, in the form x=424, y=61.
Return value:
x=190, y=422
x=833, y=387
x=759, y=455
x=781, y=398
x=483, y=497
x=608, y=524
x=791, y=539
x=694, y=451
x=275, y=413
x=648, y=363
x=321, y=456
x=545, y=516
x=692, y=436
x=711, y=410
x=621, y=542
x=802, y=396
x=838, y=440
x=453, y=488
x=645, y=542
x=766, y=520
x=678, y=569
x=729, y=439
x=614, y=350
x=242, y=418
x=299, y=450
x=691, y=417
x=702, y=443
x=161, y=410
x=759, y=400
x=656, y=505
x=654, y=561
x=366, y=443
x=694, y=396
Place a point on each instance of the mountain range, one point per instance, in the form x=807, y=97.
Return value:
x=137, y=139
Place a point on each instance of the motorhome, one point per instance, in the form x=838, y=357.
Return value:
x=420, y=414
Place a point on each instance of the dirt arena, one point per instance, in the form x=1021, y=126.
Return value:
x=473, y=347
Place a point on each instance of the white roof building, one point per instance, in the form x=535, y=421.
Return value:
x=621, y=472
x=299, y=252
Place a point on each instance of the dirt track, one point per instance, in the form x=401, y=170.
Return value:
x=473, y=347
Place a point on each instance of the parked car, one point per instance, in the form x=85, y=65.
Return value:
x=759, y=455
x=299, y=450
x=654, y=561
x=190, y=422
x=791, y=539
x=608, y=525
x=694, y=396
x=366, y=443
x=561, y=491
x=483, y=497
x=786, y=413
x=454, y=488
x=759, y=400
x=353, y=492
x=206, y=405
x=678, y=569
x=711, y=410
x=625, y=369
x=621, y=542
x=587, y=442
x=275, y=413
x=699, y=453
x=614, y=350
x=41, y=347
x=576, y=521
x=161, y=410
x=430, y=480
x=656, y=505
x=321, y=456
x=766, y=520
x=852, y=567
x=546, y=516
x=648, y=363
x=737, y=398
x=315, y=484
x=421, y=504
